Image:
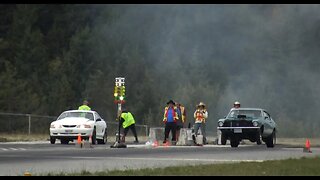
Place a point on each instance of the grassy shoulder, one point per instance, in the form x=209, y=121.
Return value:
x=23, y=137
x=289, y=167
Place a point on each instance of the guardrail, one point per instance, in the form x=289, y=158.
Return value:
x=51, y=118
x=29, y=116
x=137, y=125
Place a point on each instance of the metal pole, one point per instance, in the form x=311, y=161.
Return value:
x=29, y=118
x=119, y=119
x=146, y=130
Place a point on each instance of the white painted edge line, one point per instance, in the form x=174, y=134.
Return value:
x=27, y=142
x=172, y=159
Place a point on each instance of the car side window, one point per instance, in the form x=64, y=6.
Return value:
x=265, y=114
x=97, y=116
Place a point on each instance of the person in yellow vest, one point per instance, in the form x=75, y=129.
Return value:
x=85, y=106
x=128, y=122
x=200, y=115
x=170, y=118
x=181, y=118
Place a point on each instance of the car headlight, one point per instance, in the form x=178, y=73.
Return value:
x=255, y=123
x=86, y=126
x=52, y=126
x=220, y=124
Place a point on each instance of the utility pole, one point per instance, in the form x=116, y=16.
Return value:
x=119, y=98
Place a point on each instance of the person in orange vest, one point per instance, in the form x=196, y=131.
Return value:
x=170, y=118
x=181, y=118
x=200, y=115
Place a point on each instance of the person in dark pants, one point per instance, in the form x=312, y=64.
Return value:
x=182, y=118
x=128, y=122
x=200, y=115
x=170, y=118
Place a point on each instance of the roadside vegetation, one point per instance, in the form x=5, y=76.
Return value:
x=55, y=56
x=289, y=167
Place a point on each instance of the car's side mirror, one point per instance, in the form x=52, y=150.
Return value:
x=98, y=120
x=266, y=117
x=225, y=117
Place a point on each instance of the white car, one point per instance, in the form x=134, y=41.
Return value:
x=74, y=122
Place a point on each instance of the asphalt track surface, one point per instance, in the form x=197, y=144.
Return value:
x=43, y=157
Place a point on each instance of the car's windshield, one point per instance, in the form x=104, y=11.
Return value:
x=87, y=115
x=246, y=113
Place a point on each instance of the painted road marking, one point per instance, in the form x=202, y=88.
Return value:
x=13, y=149
x=173, y=159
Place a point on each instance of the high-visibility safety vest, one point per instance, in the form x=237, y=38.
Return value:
x=128, y=119
x=200, y=116
x=183, y=113
x=85, y=108
x=165, y=115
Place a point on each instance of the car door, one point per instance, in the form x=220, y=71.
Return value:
x=100, y=125
x=268, y=128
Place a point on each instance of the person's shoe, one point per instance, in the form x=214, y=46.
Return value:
x=136, y=141
x=164, y=141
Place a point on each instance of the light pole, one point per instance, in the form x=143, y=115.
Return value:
x=119, y=98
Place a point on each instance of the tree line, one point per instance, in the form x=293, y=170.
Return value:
x=52, y=57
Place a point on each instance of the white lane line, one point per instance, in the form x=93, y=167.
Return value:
x=188, y=159
x=173, y=159
x=13, y=149
x=27, y=142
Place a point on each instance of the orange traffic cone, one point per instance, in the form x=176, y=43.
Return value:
x=155, y=144
x=79, y=139
x=166, y=144
x=27, y=173
x=90, y=139
x=307, y=146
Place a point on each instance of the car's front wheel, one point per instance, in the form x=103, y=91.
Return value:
x=223, y=139
x=271, y=140
x=104, y=138
x=52, y=140
x=234, y=141
x=258, y=138
x=94, y=136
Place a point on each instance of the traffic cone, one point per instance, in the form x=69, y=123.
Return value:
x=27, y=173
x=166, y=144
x=155, y=144
x=90, y=139
x=79, y=139
x=307, y=147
